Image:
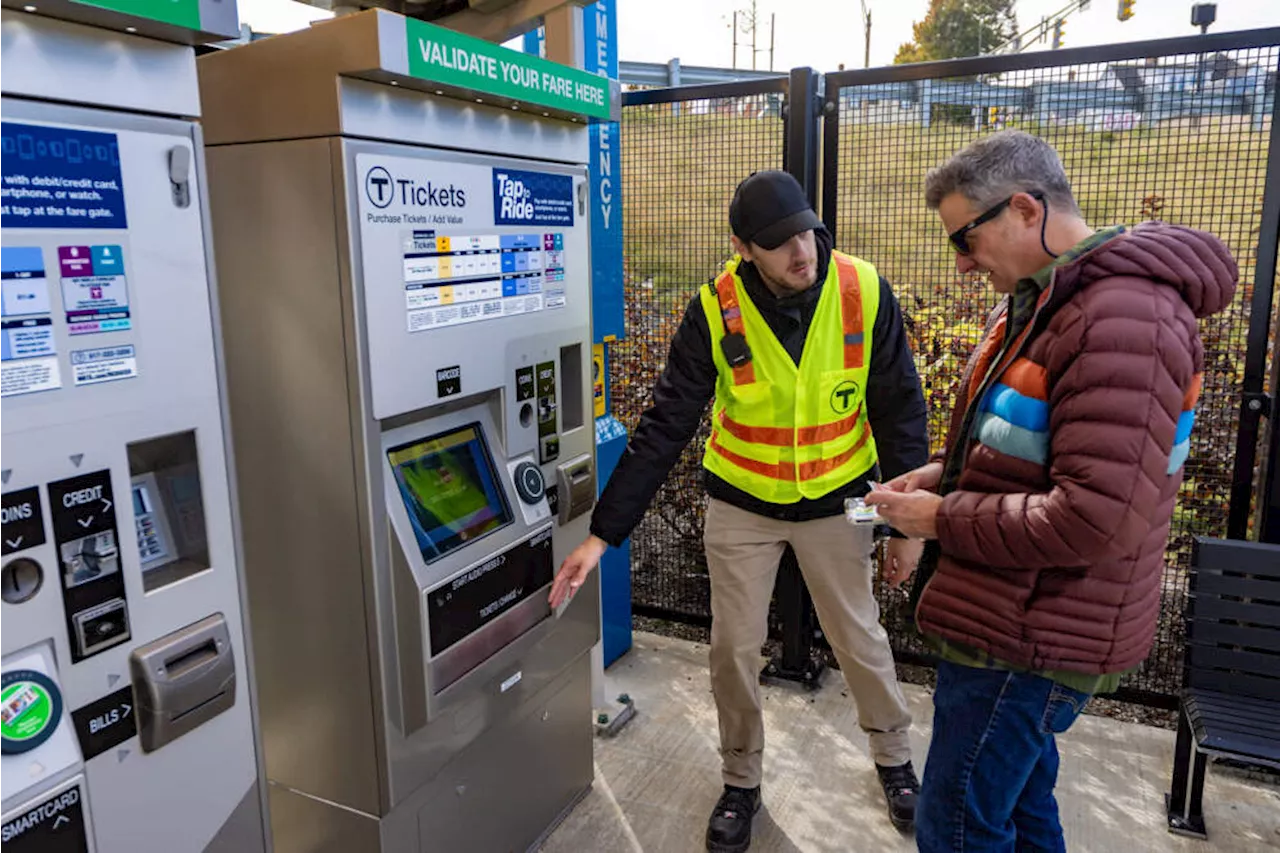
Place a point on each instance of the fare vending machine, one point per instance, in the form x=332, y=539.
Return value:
x=126, y=706
x=402, y=241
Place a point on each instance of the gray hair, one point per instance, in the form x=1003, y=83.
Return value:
x=995, y=167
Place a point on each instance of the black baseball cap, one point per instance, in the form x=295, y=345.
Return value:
x=769, y=208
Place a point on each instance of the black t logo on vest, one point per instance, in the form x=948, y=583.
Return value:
x=844, y=396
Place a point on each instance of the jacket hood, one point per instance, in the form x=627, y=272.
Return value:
x=1194, y=263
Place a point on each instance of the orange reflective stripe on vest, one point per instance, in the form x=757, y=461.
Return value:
x=787, y=437
x=851, y=313
x=786, y=471
x=727, y=295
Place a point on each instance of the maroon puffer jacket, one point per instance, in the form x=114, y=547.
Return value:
x=1052, y=542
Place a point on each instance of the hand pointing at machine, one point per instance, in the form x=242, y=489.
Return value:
x=575, y=568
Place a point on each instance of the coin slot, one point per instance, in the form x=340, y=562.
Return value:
x=20, y=580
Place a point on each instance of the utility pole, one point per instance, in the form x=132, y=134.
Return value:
x=866, y=27
x=735, y=40
x=1202, y=15
x=1037, y=33
x=754, y=21
x=773, y=22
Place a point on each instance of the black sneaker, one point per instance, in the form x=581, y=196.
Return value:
x=900, y=791
x=730, y=828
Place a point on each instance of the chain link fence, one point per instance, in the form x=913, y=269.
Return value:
x=1168, y=136
x=681, y=160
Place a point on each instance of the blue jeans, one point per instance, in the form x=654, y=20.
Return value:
x=993, y=762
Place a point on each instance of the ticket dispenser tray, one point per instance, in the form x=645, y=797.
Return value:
x=182, y=680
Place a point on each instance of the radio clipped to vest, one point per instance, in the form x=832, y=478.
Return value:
x=737, y=352
x=734, y=346
x=735, y=349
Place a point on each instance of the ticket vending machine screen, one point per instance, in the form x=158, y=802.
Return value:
x=450, y=490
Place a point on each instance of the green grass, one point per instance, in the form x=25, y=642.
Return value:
x=679, y=173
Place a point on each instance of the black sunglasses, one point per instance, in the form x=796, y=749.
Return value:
x=959, y=237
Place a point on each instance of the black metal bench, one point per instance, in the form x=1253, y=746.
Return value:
x=1231, y=704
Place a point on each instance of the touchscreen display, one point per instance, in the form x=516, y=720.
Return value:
x=449, y=489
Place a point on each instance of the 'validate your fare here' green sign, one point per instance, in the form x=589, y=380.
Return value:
x=454, y=59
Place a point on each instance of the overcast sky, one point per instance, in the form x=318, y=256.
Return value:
x=825, y=33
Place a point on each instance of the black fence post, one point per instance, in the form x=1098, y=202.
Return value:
x=796, y=662
x=800, y=154
x=1256, y=403
x=830, y=157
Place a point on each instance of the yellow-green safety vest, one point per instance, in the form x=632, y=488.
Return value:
x=781, y=432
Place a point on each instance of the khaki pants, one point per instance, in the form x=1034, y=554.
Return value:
x=743, y=550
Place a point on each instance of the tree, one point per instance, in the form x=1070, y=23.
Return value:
x=955, y=28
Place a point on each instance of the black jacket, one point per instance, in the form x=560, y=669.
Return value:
x=895, y=408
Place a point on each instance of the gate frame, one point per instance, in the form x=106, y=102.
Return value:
x=676, y=95
x=802, y=157
x=811, y=152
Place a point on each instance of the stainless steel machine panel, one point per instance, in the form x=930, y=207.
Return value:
x=401, y=397
x=479, y=608
x=456, y=249
x=74, y=63
x=345, y=709
x=109, y=378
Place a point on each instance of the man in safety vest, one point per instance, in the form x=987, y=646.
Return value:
x=804, y=352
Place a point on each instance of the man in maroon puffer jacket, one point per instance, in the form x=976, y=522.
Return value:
x=1048, y=513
